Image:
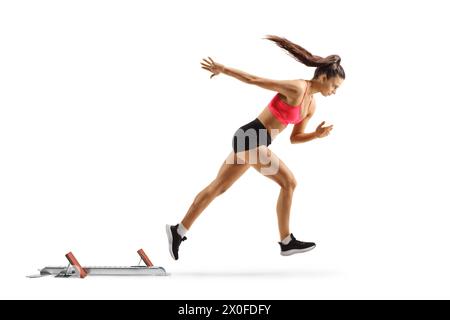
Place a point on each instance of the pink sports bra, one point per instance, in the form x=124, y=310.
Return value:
x=286, y=113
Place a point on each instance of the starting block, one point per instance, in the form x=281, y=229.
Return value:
x=74, y=269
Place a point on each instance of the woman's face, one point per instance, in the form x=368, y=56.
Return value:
x=329, y=86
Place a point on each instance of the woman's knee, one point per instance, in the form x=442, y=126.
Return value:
x=289, y=183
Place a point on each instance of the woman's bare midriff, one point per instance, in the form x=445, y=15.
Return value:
x=272, y=124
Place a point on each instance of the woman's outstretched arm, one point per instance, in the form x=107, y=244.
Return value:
x=285, y=87
x=239, y=74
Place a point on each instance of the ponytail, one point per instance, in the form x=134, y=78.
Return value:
x=329, y=65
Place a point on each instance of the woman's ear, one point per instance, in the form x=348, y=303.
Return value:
x=323, y=77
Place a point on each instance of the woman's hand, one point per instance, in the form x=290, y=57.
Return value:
x=214, y=67
x=322, y=131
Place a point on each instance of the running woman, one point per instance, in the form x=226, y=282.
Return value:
x=293, y=103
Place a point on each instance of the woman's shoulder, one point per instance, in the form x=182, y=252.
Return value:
x=300, y=87
x=302, y=84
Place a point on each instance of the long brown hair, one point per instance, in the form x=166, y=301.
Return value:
x=330, y=66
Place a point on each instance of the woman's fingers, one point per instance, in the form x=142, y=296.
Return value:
x=324, y=131
x=210, y=65
x=320, y=125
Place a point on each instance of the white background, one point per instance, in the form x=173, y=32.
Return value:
x=109, y=128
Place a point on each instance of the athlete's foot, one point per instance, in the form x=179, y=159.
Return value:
x=174, y=240
x=295, y=246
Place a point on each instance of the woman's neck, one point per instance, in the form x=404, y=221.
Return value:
x=313, y=87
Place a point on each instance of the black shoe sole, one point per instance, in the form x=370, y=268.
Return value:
x=170, y=238
x=294, y=251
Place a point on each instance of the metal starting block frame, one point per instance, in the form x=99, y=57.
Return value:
x=74, y=269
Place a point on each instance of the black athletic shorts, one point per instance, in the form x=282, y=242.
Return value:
x=250, y=136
